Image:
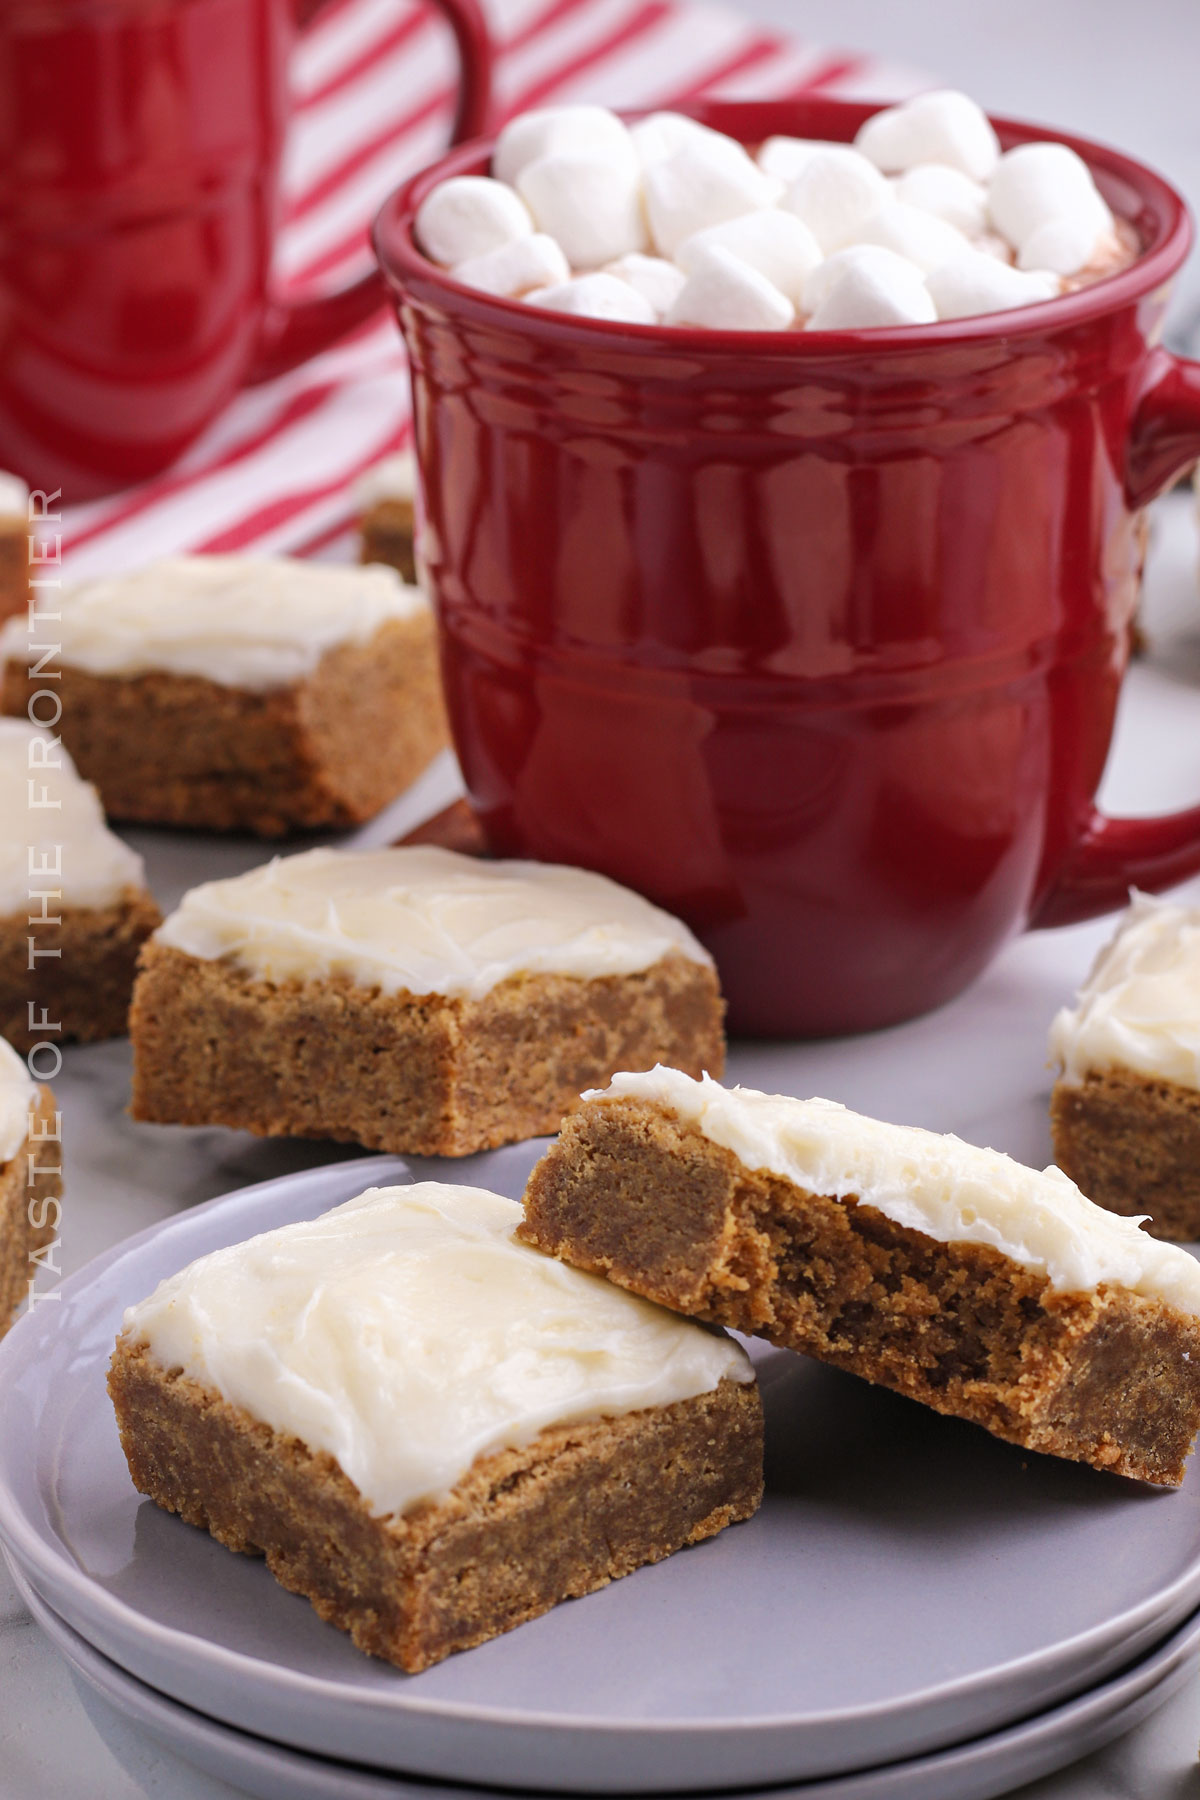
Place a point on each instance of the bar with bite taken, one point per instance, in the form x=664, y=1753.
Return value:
x=948, y=1273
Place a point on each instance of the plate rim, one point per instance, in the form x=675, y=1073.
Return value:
x=1182, y=1642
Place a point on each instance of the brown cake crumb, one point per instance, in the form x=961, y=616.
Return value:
x=432, y=1074
x=81, y=994
x=1109, y=1377
x=1133, y=1145
x=328, y=751
x=577, y=1508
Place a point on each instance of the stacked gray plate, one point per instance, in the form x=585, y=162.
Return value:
x=910, y=1585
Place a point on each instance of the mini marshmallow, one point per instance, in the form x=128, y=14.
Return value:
x=864, y=297
x=551, y=129
x=469, y=215
x=942, y=127
x=974, y=282
x=1064, y=245
x=513, y=269
x=662, y=134
x=726, y=294
x=596, y=296
x=787, y=157
x=593, y=207
x=1036, y=184
x=946, y=193
x=655, y=279
x=891, y=270
x=835, y=193
x=776, y=243
x=699, y=184
x=920, y=236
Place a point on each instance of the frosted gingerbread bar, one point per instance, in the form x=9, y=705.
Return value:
x=949, y=1273
x=30, y=1179
x=242, y=694
x=1125, y=1110
x=14, y=546
x=428, y=1430
x=74, y=909
x=386, y=498
x=411, y=999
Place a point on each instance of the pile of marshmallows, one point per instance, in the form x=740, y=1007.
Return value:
x=668, y=222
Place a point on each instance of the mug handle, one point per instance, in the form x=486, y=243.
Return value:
x=1113, y=855
x=298, y=329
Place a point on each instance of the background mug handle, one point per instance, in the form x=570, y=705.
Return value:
x=1113, y=855
x=297, y=329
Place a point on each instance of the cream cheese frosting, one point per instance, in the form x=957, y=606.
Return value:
x=393, y=478
x=952, y=1191
x=407, y=1333
x=63, y=846
x=18, y=1094
x=423, y=920
x=14, y=497
x=246, y=622
x=1139, y=1008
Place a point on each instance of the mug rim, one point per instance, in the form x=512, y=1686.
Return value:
x=407, y=270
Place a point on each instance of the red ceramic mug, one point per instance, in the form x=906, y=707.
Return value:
x=814, y=638
x=140, y=149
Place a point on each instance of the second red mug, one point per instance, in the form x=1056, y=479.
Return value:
x=814, y=638
x=140, y=152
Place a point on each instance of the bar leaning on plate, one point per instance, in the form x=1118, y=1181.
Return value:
x=431, y=1431
x=949, y=1273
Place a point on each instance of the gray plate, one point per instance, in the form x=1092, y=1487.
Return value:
x=977, y=1771
x=910, y=1583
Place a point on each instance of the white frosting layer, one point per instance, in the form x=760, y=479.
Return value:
x=1140, y=1006
x=64, y=845
x=407, y=1333
x=424, y=921
x=17, y=1095
x=395, y=478
x=245, y=622
x=14, y=497
x=952, y=1191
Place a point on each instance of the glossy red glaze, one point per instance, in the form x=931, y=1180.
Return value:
x=140, y=147
x=814, y=638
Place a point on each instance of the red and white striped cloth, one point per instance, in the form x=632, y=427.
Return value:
x=373, y=84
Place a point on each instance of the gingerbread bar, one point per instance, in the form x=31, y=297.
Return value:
x=242, y=694
x=74, y=909
x=386, y=498
x=1125, y=1110
x=30, y=1179
x=410, y=999
x=520, y=1435
x=14, y=547
x=951, y=1274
